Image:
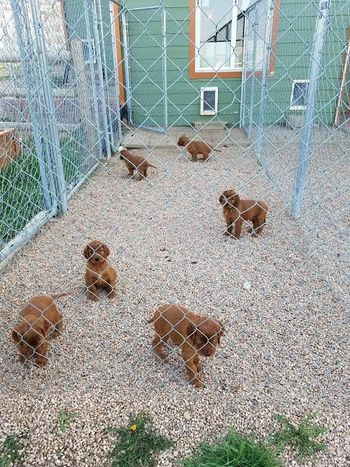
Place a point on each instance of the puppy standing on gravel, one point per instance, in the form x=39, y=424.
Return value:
x=135, y=162
x=40, y=320
x=195, y=334
x=196, y=147
x=237, y=210
x=99, y=273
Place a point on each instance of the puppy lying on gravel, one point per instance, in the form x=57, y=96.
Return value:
x=135, y=162
x=99, y=273
x=40, y=320
x=195, y=334
x=237, y=210
x=196, y=147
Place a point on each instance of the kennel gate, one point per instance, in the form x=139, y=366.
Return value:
x=144, y=65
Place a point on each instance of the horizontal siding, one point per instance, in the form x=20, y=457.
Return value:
x=183, y=94
x=294, y=48
x=294, y=45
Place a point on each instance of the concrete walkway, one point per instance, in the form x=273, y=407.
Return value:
x=140, y=138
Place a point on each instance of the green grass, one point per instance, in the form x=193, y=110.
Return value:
x=21, y=195
x=234, y=450
x=64, y=419
x=11, y=450
x=138, y=444
x=302, y=438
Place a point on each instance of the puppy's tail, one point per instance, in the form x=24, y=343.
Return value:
x=59, y=295
x=150, y=165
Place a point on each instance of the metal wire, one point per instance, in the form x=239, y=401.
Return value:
x=61, y=94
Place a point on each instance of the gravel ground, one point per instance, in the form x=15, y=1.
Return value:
x=283, y=299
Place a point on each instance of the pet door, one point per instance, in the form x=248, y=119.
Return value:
x=209, y=101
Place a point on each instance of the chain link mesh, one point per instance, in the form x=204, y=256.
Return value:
x=80, y=81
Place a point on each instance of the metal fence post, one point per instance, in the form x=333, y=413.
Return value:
x=309, y=118
x=114, y=19
x=165, y=71
x=242, y=108
x=49, y=112
x=29, y=65
x=84, y=95
x=106, y=74
x=127, y=64
x=251, y=113
x=93, y=75
x=264, y=82
x=100, y=88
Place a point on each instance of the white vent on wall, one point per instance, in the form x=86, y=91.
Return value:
x=209, y=101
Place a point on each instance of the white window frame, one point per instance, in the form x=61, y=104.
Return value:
x=210, y=69
x=297, y=107
x=209, y=112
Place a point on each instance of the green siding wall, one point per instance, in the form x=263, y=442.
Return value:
x=294, y=45
x=183, y=93
x=76, y=26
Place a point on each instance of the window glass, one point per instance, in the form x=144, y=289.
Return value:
x=218, y=21
x=209, y=100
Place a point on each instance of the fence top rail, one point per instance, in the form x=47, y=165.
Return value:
x=11, y=58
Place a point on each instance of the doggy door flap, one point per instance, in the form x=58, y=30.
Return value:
x=209, y=101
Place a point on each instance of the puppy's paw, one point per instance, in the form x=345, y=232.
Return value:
x=112, y=294
x=252, y=232
x=41, y=361
x=93, y=297
x=198, y=383
x=162, y=357
x=230, y=235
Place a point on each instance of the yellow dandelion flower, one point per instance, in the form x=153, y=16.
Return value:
x=133, y=427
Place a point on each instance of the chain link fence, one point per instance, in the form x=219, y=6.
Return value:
x=265, y=83
x=63, y=67
x=58, y=104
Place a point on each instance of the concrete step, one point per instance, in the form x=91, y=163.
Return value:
x=143, y=139
x=210, y=126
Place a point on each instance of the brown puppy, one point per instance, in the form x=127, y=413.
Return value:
x=40, y=320
x=237, y=210
x=135, y=162
x=195, y=334
x=196, y=147
x=99, y=274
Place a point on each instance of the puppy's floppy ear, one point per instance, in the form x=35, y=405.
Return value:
x=222, y=199
x=235, y=199
x=16, y=333
x=191, y=331
x=106, y=250
x=87, y=251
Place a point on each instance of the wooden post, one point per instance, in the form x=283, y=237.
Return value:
x=84, y=93
x=338, y=113
x=10, y=147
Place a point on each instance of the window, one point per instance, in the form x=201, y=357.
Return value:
x=299, y=94
x=219, y=34
x=89, y=51
x=209, y=101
